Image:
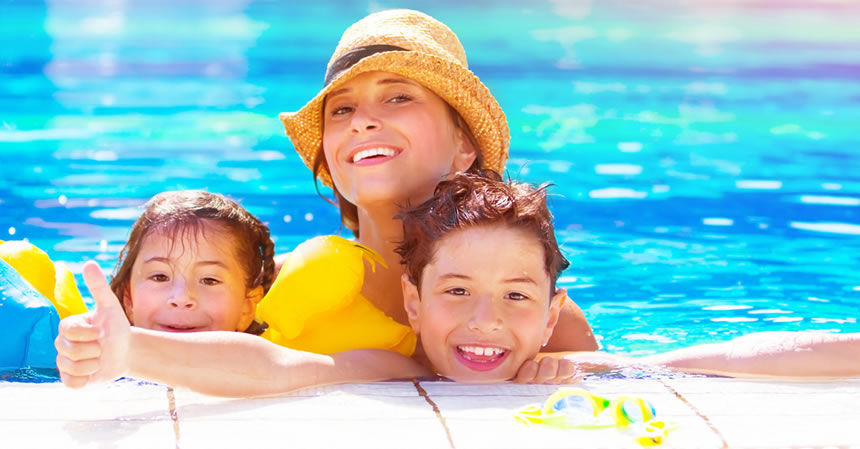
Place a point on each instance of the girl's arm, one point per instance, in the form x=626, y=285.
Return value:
x=238, y=364
x=100, y=346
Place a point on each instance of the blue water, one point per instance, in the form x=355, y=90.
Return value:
x=704, y=156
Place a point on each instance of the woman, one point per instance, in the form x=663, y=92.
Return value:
x=399, y=112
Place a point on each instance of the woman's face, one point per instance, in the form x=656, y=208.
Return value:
x=389, y=139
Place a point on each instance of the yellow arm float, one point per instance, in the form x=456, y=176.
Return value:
x=315, y=304
x=53, y=280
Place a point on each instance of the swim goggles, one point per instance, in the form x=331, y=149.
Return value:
x=575, y=408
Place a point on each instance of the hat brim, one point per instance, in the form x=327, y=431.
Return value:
x=458, y=86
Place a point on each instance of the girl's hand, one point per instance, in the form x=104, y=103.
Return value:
x=93, y=347
x=547, y=370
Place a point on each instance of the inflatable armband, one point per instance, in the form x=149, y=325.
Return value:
x=315, y=304
x=53, y=280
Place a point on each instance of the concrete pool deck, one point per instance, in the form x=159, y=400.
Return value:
x=711, y=412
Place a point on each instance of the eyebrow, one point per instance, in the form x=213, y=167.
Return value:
x=383, y=81
x=520, y=280
x=515, y=280
x=453, y=276
x=202, y=262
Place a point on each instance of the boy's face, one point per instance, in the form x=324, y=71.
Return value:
x=192, y=283
x=484, y=305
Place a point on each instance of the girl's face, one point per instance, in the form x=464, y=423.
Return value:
x=485, y=304
x=387, y=138
x=191, y=283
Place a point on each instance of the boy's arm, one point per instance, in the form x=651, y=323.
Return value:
x=768, y=354
x=572, y=332
x=100, y=346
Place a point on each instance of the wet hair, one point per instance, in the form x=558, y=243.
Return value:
x=189, y=212
x=477, y=199
x=349, y=211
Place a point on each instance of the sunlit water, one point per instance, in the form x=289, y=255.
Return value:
x=703, y=154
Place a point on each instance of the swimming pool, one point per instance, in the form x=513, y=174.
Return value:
x=703, y=155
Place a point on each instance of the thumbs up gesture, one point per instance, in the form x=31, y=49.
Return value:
x=93, y=347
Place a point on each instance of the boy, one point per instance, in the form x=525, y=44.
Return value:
x=479, y=288
x=481, y=266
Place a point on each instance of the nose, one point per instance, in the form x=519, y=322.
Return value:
x=364, y=119
x=182, y=297
x=485, y=316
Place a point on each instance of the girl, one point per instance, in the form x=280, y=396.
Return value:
x=400, y=111
x=194, y=261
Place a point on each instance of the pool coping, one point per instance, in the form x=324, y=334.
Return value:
x=709, y=413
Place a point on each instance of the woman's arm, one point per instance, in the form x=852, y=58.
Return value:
x=770, y=354
x=572, y=332
x=784, y=355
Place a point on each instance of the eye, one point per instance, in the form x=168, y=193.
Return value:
x=516, y=296
x=210, y=281
x=158, y=277
x=400, y=99
x=341, y=110
x=457, y=291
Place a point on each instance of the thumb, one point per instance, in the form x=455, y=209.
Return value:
x=96, y=282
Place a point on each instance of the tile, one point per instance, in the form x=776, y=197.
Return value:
x=334, y=406
x=370, y=432
x=478, y=420
x=504, y=399
x=41, y=434
x=375, y=389
x=342, y=402
x=776, y=404
x=118, y=400
x=788, y=431
x=721, y=385
x=447, y=388
x=598, y=386
x=692, y=433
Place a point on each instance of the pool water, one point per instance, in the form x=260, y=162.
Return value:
x=704, y=154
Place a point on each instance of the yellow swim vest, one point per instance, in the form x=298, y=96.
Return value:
x=315, y=304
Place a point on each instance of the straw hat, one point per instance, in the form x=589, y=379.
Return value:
x=416, y=46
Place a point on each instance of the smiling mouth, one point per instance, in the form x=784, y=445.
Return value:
x=481, y=354
x=178, y=328
x=373, y=153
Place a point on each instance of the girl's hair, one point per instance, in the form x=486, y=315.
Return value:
x=477, y=199
x=349, y=211
x=188, y=212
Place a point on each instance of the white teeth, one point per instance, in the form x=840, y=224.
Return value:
x=482, y=350
x=364, y=154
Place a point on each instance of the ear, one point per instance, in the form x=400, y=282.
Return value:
x=249, y=308
x=555, y=305
x=411, y=301
x=466, y=152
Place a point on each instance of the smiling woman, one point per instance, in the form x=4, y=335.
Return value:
x=400, y=112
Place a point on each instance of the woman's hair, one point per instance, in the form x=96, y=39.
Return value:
x=189, y=212
x=349, y=211
x=477, y=199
